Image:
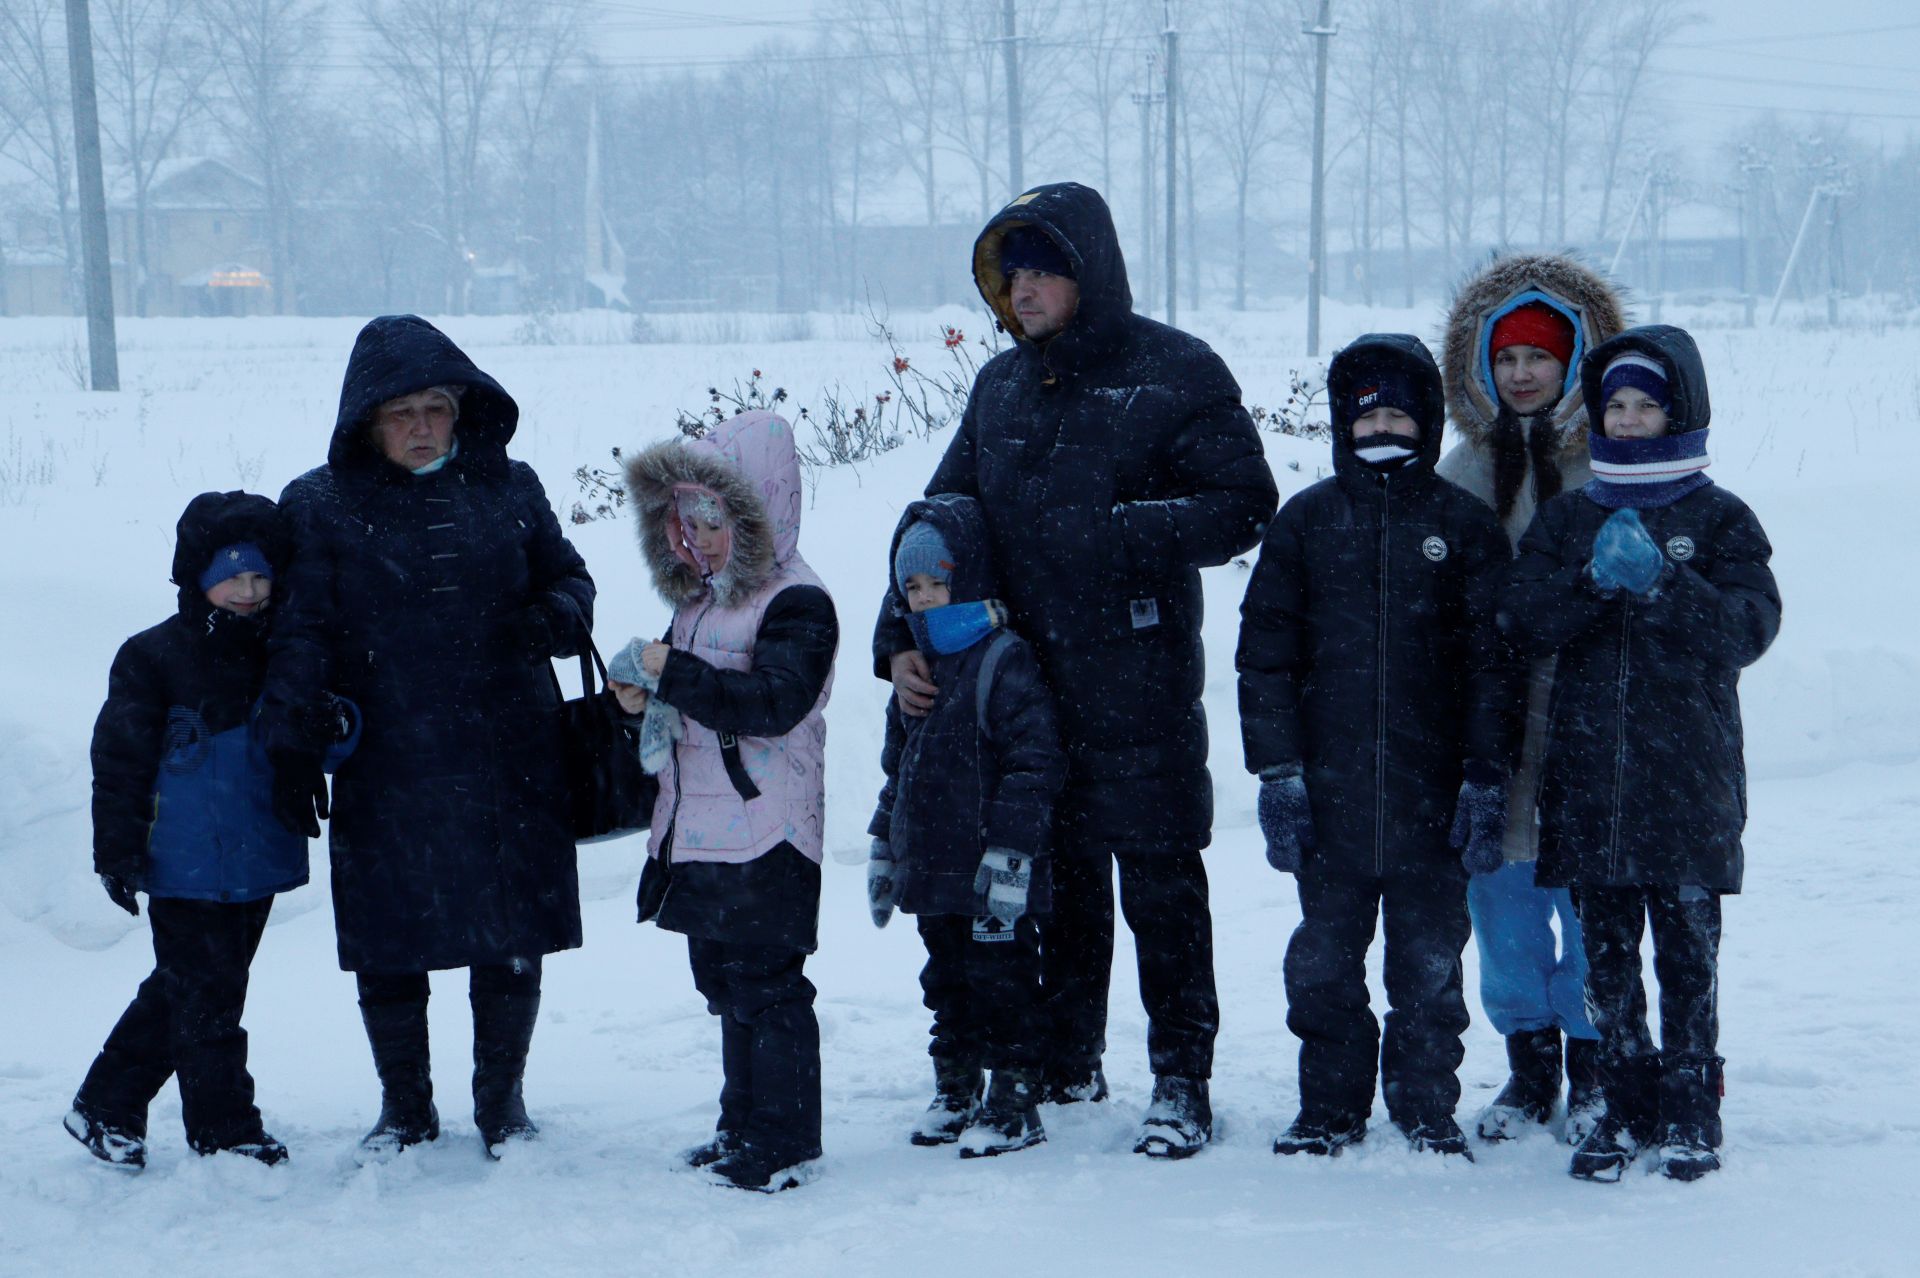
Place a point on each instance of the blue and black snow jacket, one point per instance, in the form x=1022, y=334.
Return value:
x=984, y=767
x=182, y=792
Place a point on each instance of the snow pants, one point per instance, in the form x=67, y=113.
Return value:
x=1163, y=896
x=184, y=1022
x=1528, y=980
x=769, y=1044
x=1328, y=1008
x=984, y=994
x=1686, y=961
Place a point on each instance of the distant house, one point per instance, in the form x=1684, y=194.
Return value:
x=206, y=247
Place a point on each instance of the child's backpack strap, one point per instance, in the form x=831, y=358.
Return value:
x=983, y=685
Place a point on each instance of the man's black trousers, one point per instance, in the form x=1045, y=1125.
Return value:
x=1163, y=896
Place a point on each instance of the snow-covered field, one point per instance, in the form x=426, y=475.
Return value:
x=1820, y=432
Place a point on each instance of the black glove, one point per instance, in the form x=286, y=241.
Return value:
x=529, y=633
x=120, y=892
x=299, y=792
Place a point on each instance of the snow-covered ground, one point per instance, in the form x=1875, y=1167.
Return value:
x=1820, y=432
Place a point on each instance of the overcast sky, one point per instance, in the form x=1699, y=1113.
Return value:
x=1861, y=57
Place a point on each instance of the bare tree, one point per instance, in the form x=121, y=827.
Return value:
x=1565, y=30
x=1636, y=30
x=903, y=44
x=543, y=182
x=36, y=127
x=1250, y=90
x=265, y=53
x=154, y=67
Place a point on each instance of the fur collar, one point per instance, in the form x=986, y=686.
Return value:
x=651, y=477
x=1595, y=305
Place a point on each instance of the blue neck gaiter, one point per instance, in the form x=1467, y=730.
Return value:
x=956, y=627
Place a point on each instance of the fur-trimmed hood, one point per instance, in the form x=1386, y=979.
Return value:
x=1592, y=305
x=753, y=466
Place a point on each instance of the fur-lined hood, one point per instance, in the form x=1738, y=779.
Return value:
x=1592, y=305
x=753, y=466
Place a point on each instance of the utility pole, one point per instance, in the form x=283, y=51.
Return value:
x=1751, y=167
x=1147, y=99
x=1835, y=190
x=1322, y=31
x=1010, y=43
x=103, y=358
x=1173, y=154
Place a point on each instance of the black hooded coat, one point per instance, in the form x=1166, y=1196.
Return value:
x=1112, y=462
x=953, y=788
x=1645, y=778
x=1368, y=654
x=449, y=841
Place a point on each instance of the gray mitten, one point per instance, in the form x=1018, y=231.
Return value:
x=660, y=725
x=1285, y=818
x=1005, y=878
x=883, y=887
x=1480, y=826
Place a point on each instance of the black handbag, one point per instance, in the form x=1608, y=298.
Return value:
x=608, y=793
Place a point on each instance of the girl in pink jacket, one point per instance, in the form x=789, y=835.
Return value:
x=736, y=837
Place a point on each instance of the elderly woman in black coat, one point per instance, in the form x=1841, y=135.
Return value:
x=430, y=583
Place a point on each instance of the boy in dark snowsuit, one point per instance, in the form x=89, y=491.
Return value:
x=183, y=811
x=1380, y=711
x=1651, y=586
x=960, y=834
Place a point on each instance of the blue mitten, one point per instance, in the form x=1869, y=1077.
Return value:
x=1625, y=555
x=883, y=884
x=1285, y=818
x=1480, y=826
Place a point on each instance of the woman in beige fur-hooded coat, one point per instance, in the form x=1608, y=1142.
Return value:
x=1521, y=427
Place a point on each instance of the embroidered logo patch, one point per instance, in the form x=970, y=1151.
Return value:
x=1146, y=613
x=1680, y=548
x=1434, y=548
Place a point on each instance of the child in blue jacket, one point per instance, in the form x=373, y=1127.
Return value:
x=183, y=810
x=960, y=834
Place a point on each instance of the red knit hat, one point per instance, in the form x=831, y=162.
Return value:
x=1535, y=324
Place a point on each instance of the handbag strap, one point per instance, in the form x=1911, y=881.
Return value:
x=589, y=660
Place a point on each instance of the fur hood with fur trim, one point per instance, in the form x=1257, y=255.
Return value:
x=752, y=465
x=1592, y=305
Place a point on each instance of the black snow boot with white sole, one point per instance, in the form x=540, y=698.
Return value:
x=1532, y=1087
x=764, y=1171
x=1690, y=1090
x=397, y=1033
x=1009, y=1120
x=114, y=1144
x=1586, y=1100
x=955, y=1103
x=1324, y=1135
x=1628, y=1126
x=1436, y=1134
x=1179, y=1121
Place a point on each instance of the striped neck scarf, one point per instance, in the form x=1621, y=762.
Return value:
x=1646, y=473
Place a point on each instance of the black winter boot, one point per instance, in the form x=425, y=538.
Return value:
x=502, y=1033
x=1586, y=1101
x=111, y=1143
x=1179, y=1122
x=397, y=1032
x=1075, y=1085
x=1321, y=1134
x=1633, y=1110
x=956, y=1100
x=1532, y=1088
x=1009, y=1120
x=1690, y=1090
x=1436, y=1134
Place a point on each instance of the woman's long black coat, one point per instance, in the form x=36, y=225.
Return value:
x=449, y=841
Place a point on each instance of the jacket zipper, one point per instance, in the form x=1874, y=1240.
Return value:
x=1380, y=711
x=673, y=821
x=1620, y=741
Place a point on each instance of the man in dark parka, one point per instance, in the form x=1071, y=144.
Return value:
x=432, y=587
x=1113, y=459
